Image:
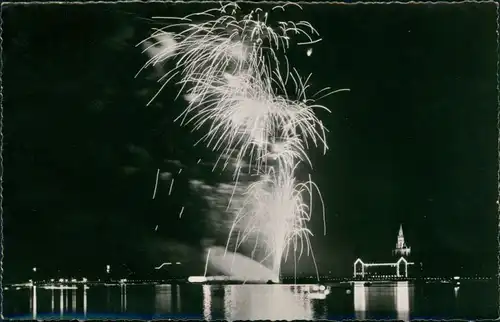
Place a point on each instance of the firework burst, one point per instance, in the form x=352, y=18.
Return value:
x=231, y=76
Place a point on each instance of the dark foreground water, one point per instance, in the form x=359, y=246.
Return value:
x=399, y=300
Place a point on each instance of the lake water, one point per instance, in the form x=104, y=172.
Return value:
x=398, y=300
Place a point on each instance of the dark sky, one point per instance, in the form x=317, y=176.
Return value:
x=414, y=142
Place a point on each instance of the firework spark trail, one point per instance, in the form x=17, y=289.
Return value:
x=171, y=186
x=156, y=183
x=228, y=55
x=233, y=81
x=275, y=211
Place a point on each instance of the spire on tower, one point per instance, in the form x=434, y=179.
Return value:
x=401, y=247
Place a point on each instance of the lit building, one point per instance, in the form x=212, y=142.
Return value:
x=395, y=267
x=401, y=248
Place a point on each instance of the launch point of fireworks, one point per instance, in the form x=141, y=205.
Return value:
x=274, y=215
x=236, y=90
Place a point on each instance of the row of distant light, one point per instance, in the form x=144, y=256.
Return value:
x=108, y=267
x=426, y=278
x=383, y=275
x=456, y=278
x=63, y=280
x=85, y=280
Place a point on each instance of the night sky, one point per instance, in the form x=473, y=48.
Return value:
x=414, y=142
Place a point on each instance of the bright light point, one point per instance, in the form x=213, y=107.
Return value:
x=197, y=279
x=322, y=287
x=34, y=269
x=309, y=52
x=317, y=296
x=177, y=263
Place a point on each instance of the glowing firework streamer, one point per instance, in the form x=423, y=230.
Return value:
x=230, y=68
x=232, y=79
x=276, y=216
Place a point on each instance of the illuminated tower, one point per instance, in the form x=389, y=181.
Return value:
x=401, y=248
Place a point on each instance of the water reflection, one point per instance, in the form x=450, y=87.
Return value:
x=123, y=298
x=163, y=299
x=63, y=300
x=33, y=302
x=381, y=299
x=402, y=291
x=259, y=302
x=73, y=300
x=207, y=303
x=66, y=299
x=359, y=300
x=52, y=302
x=389, y=301
x=84, y=301
x=178, y=297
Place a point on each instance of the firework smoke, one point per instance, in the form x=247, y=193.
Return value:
x=236, y=90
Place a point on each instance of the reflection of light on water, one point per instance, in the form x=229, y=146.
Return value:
x=61, y=302
x=84, y=302
x=34, y=303
x=207, y=302
x=265, y=302
x=123, y=298
x=52, y=300
x=402, y=301
x=455, y=290
x=73, y=301
x=325, y=311
x=163, y=298
x=227, y=303
x=31, y=301
x=359, y=300
x=380, y=296
x=178, y=296
x=66, y=298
